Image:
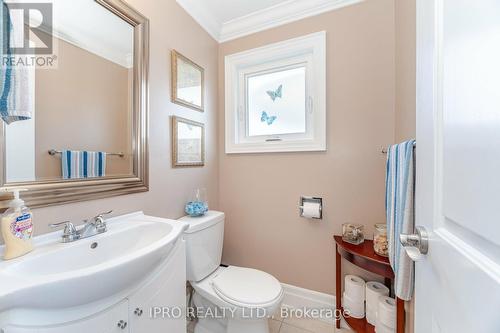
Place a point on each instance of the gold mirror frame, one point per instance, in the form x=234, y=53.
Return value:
x=56, y=192
x=175, y=153
x=175, y=99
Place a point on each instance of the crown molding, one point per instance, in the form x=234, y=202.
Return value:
x=201, y=15
x=267, y=18
x=280, y=14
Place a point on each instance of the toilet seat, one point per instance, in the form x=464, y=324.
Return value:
x=247, y=287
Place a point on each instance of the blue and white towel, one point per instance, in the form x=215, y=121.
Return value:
x=17, y=83
x=83, y=164
x=399, y=206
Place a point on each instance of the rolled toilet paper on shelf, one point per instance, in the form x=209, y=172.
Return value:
x=373, y=291
x=371, y=316
x=355, y=288
x=311, y=210
x=386, y=311
x=356, y=309
x=381, y=328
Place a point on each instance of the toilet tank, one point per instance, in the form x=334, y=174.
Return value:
x=204, y=239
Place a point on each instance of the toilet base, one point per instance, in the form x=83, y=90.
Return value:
x=233, y=326
x=226, y=325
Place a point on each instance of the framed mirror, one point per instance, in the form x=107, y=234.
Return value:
x=188, y=143
x=87, y=133
x=188, y=82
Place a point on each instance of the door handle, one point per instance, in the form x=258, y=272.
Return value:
x=418, y=240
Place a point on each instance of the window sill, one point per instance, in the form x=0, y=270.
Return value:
x=275, y=147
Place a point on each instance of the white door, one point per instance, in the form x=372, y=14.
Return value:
x=458, y=168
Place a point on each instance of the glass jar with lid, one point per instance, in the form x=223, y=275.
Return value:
x=353, y=233
x=380, y=241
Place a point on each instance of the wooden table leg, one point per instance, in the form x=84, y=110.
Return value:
x=338, y=284
x=400, y=319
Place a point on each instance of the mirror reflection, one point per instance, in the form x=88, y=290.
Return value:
x=80, y=124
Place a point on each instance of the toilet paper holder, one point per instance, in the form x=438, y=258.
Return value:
x=304, y=199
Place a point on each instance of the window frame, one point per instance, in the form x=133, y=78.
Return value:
x=308, y=51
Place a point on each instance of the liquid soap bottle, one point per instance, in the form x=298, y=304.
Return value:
x=17, y=228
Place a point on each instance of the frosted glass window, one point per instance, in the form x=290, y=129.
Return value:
x=276, y=102
x=275, y=97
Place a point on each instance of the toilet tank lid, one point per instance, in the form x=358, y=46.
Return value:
x=210, y=218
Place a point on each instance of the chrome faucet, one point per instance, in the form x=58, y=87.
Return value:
x=97, y=225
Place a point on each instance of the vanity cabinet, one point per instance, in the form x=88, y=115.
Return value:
x=133, y=311
x=114, y=320
x=160, y=306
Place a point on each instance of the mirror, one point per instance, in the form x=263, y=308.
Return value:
x=87, y=124
x=188, y=143
x=187, y=82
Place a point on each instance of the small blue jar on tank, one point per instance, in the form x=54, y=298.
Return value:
x=198, y=205
x=196, y=208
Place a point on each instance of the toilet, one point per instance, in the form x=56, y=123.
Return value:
x=231, y=299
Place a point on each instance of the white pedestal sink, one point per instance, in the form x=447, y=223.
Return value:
x=105, y=280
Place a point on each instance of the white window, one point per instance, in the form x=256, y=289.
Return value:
x=276, y=97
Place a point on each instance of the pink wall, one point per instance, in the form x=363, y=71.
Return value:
x=406, y=15
x=171, y=27
x=89, y=113
x=260, y=192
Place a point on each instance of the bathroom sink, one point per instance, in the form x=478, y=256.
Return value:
x=64, y=275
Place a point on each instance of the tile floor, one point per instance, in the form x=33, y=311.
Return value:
x=294, y=325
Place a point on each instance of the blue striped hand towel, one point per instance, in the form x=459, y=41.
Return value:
x=83, y=164
x=399, y=206
x=17, y=83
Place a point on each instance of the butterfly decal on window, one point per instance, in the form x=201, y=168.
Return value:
x=268, y=119
x=277, y=93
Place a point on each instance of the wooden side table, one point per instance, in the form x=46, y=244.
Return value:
x=364, y=256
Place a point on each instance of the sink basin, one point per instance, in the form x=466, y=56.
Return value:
x=58, y=275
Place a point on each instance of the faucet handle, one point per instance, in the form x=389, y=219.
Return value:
x=103, y=214
x=69, y=228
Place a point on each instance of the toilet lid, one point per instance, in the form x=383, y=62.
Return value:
x=247, y=287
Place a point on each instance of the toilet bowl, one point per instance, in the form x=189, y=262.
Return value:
x=227, y=299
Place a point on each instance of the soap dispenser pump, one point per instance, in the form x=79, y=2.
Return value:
x=17, y=227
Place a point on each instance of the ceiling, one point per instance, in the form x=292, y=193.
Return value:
x=227, y=10
x=230, y=19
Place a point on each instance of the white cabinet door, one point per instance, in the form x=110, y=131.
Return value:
x=106, y=322
x=458, y=180
x=166, y=290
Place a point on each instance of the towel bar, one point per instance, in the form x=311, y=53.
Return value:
x=53, y=152
x=384, y=150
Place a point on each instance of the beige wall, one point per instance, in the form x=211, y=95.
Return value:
x=260, y=192
x=83, y=105
x=171, y=27
x=405, y=127
x=406, y=15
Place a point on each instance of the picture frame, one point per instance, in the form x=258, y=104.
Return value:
x=188, y=143
x=188, y=82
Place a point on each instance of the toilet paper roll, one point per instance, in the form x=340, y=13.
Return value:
x=371, y=316
x=311, y=210
x=381, y=328
x=355, y=288
x=373, y=291
x=356, y=309
x=386, y=311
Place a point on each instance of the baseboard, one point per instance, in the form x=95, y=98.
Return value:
x=296, y=297
x=299, y=298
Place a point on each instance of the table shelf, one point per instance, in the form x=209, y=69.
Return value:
x=364, y=256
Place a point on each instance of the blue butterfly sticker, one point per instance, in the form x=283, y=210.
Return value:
x=269, y=119
x=277, y=93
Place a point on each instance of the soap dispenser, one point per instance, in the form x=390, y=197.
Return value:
x=17, y=228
